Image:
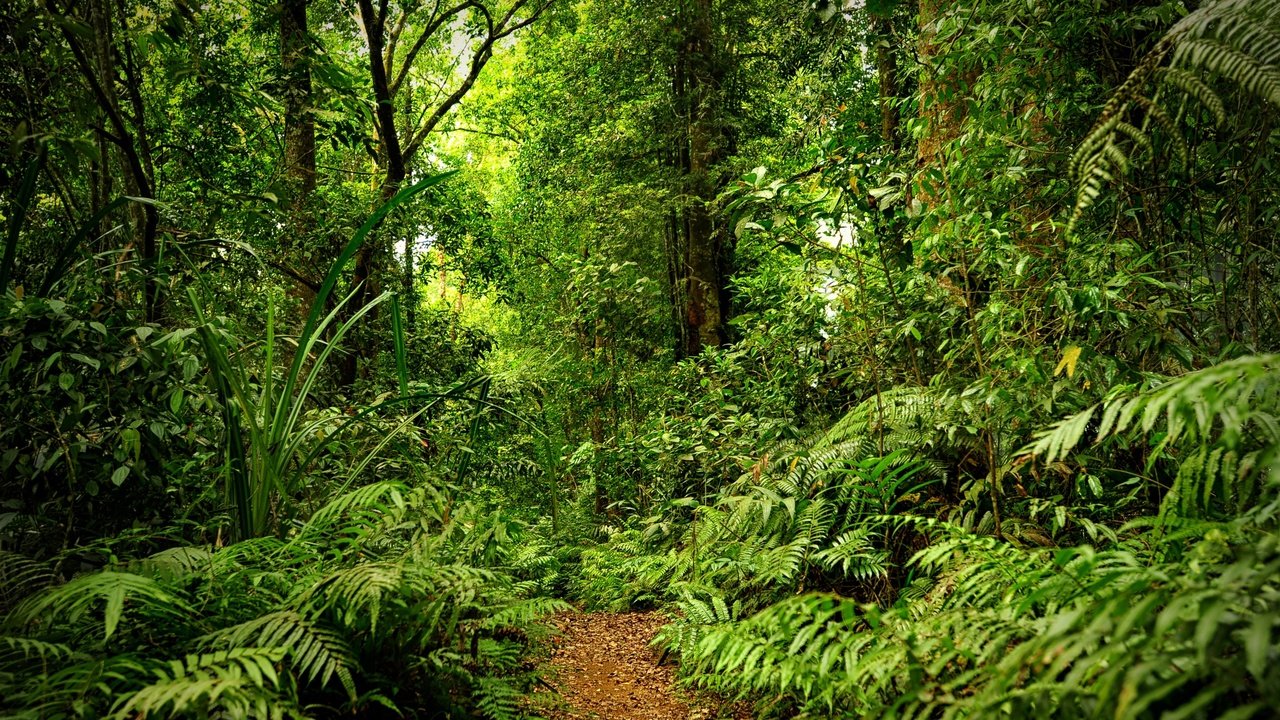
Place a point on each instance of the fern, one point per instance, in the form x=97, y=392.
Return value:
x=363, y=606
x=314, y=651
x=855, y=555
x=497, y=699
x=239, y=683
x=73, y=601
x=1224, y=416
x=19, y=577
x=1237, y=41
x=1176, y=618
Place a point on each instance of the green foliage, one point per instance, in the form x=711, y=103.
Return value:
x=1218, y=425
x=106, y=419
x=239, y=683
x=1236, y=41
x=960, y=401
x=365, y=605
x=1177, y=617
x=279, y=443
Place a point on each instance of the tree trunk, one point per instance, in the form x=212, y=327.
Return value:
x=599, y=391
x=299, y=143
x=943, y=94
x=101, y=73
x=396, y=152
x=887, y=72
x=703, y=263
x=365, y=277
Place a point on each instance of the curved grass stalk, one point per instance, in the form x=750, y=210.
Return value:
x=266, y=449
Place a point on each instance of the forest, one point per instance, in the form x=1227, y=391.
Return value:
x=839, y=358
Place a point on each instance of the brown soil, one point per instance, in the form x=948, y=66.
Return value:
x=605, y=670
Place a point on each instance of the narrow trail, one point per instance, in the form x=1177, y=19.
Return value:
x=606, y=670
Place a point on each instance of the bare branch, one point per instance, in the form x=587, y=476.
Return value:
x=481, y=58
x=430, y=29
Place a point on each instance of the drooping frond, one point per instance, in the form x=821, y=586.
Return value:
x=1229, y=413
x=19, y=577
x=235, y=683
x=1227, y=42
x=315, y=652
x=74, y=601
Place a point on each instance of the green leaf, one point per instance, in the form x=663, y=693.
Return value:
x=131, y=439
x=1257, y=645
x=115, y=605
x=117, y=477
x=91, y=362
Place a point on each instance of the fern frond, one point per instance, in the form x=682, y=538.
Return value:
x=19, y=577
x=855, y=555
x=14, y=647
x=497, y=699
x=1235, y=40
x=238, y=683
x=73, y=601
x=315, y=652
x=1228, y=412
x=1191, y=85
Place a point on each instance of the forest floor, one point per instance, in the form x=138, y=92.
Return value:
x=604, y=669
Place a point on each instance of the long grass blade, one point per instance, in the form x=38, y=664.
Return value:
x=402, y=360
x=482, y=400
x=454, y=393
x=335, y=271
x=239, y=483
x=22, y=203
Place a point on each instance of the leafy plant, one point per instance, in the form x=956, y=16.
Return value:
x=266, y=464
x=1174, y=618
x=1237, y=41
x=366, y=606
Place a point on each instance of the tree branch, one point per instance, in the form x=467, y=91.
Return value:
x=129, y=149
x=294, y=275
x=483, y=54
x=432, y=26
x=385, y=112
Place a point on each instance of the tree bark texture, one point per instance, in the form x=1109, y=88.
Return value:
x=299, y=145
x=702, y=253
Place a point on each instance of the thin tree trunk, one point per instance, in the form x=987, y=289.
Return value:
x=365, y=277
x=299, y=140
x=942, y=101
x=99, y=71
x=703, y=267
x=887, y=72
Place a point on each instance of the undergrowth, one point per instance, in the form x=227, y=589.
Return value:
x=386, y=601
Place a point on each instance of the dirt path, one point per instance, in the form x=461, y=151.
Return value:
x=605, y=670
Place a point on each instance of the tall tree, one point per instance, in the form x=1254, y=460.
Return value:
x=701, y=259
x=299, y=133
x=477, y=25
x=109, y=67
x=881, y=36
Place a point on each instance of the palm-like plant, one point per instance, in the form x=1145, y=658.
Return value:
x=269, y=443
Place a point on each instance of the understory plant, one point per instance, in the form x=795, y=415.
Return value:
x=388, y=600
x=1174, y=616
